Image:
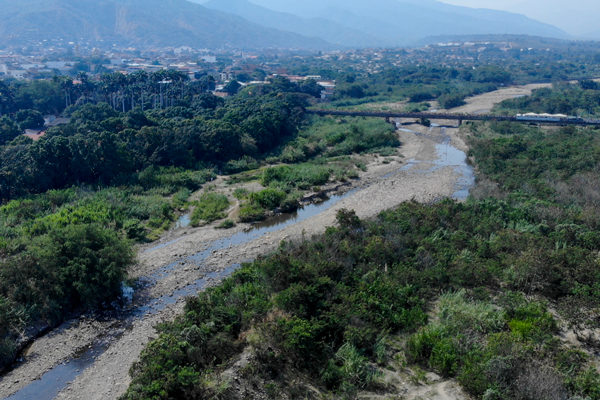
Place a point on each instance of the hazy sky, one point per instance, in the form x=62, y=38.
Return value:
x=577, y=17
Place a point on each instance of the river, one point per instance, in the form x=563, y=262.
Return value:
x=58, y=378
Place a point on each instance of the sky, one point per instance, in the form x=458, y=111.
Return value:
x=577, y=17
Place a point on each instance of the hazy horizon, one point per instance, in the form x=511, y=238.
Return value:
x=576, y=17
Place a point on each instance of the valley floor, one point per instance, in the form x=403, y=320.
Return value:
x=414, y=174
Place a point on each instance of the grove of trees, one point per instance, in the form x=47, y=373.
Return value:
x=73, y=203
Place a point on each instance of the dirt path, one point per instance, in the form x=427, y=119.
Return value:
x=483, y=103
x=383, y=186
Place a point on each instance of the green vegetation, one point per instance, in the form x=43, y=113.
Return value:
x=195, y=133
x=330, y=137
x=68, y=250
x=29, y=119
x=321, y=153
x=475, y=291
x=419, y=84
x=557, y=165
x=210, y=207
x=74, y=202
x=582, y=99
x=70, y=268
x=306, y=306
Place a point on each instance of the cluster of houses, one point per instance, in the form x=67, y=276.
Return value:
x=223, y=67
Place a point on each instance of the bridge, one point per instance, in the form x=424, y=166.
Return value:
x=454, y=117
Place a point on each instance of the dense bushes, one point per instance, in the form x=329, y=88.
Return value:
x=322, y=308
x=490, y=346
x=67, y=250
x=76, y=267
x=581, y=99
x=316, y=304
x=302, y=176
x=451, y=100
x=540, y=163
x=330, y=137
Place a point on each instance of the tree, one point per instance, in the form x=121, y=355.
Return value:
x=310, y=87
x=282, y=84
x=6, y=98
x=355, y=91
x=30, y=119
x=207, y=101
x=89, y=262
x=45, y=96
x=207, y=83
x=8, y=130
x=232, y=87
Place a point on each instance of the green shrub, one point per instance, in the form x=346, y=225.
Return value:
x=451, y=100
x=240, y=193
x=90, y=262
x=251, y=213
x=174, y=177
x=461, y=315
x=227, y=224
x=420, y=346
x=244, y=164
x=531, y=321
x=210, y=207
x=587, y=384
x=355, y=371
x=134, y=229
x=268, y=198
x=180, y=197
x=445, y=357
x=433, y=347
x=302, y=176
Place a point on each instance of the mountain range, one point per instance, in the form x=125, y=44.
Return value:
x=138, y=23
x=403, y=22
x=306, y=24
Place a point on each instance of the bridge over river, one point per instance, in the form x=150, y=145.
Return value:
x=456, y=117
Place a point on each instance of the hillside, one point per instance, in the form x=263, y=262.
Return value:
x=323, y=28
x=139, y=23
x=403, y=22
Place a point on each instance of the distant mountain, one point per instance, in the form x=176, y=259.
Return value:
x=312, y=27
x=254, y=24
x=139, y=23
x=401, y=22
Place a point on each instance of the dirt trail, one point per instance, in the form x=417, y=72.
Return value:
x=485, y=102
x=383, y=186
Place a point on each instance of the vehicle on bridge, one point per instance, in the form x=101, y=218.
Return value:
x=533, y=117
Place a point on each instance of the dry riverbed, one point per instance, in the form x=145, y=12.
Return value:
x=413, y=175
